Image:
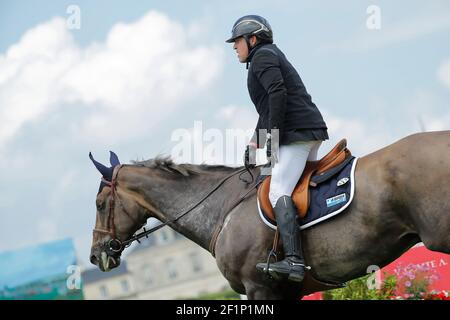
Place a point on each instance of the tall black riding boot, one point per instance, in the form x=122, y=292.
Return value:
x=293, y=265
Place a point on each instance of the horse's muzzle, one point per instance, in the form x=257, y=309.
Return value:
x=104, y=261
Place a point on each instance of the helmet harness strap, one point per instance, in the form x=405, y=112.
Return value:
x=247, y=40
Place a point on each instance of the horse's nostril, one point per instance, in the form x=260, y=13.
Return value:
x=94, y=259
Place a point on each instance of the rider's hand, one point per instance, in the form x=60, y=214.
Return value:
x=269, y=146
x=270, y=150
x=250, y=155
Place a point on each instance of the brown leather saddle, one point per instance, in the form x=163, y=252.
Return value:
x=314, y=173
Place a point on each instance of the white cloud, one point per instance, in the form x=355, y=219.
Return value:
x=444, y=73
x=220, y=141
x=209, y=145
x=128, y=84
x=406, y=30
x=424, y=110
x=27, y=87
x=393, y=30
x=438, y=124
x=82, y=245
x=47, y=229
x=66, y=184
x=238, y=117
x=238, y=125
x=361, y=138
x=58, y=101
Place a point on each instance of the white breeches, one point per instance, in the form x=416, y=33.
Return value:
x=289, y=168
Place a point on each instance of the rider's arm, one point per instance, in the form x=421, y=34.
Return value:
x=266, y=67
x=258, y=140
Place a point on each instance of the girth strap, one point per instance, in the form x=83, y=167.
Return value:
x=212, y=244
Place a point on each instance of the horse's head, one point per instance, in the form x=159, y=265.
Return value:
x=119, y=216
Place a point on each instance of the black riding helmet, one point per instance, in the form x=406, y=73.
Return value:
x=250, y=25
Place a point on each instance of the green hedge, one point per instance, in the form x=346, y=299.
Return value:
x=358, y=289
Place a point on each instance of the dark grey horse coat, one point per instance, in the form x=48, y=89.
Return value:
x=402, y=197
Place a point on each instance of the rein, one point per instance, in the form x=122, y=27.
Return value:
x=117, y=246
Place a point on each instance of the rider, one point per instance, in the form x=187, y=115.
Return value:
x=287, y=114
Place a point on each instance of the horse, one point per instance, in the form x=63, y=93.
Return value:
x=402, y=197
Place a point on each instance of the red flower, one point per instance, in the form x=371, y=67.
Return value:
x=439, y=296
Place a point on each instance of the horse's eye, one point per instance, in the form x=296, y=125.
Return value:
x=100, y=206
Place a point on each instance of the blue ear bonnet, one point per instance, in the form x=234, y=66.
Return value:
x=106, y=172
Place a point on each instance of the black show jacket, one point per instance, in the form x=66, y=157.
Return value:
x=281, y=99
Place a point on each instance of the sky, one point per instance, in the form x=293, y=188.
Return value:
x=135, y=77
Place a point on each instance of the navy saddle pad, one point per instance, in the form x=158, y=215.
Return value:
x=327, y=199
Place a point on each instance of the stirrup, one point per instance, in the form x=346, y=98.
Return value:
x=292, y=274
x=300, y=264
x=266, y=269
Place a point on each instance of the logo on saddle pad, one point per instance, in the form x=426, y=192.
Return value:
x=342, y=181
x=336, y=200
x=326, y=199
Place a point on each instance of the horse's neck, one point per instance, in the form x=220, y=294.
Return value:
x=174, y=197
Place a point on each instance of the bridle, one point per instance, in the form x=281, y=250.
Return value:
x=115, y=245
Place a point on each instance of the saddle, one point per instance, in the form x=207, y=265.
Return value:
x=315, y=172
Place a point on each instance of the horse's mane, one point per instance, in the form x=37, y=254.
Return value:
x=166, y=163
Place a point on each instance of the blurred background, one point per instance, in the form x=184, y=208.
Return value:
x=81, y=76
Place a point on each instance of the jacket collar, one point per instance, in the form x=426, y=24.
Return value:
x=254, y=49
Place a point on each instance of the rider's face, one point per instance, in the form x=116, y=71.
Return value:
x=240, y=45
